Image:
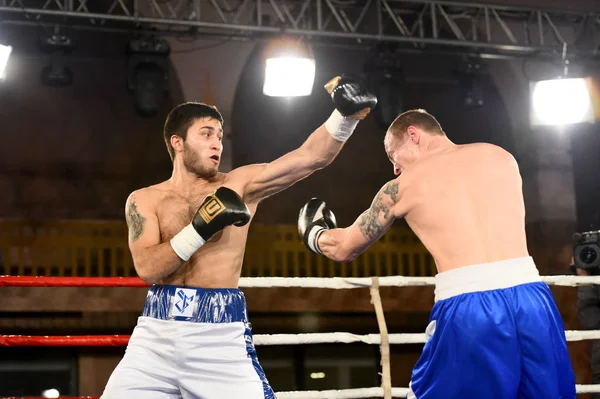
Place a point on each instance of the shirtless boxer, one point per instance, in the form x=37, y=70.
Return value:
x=187, y=236
x=494, y=331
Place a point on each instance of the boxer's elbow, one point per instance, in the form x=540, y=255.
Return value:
x=146, y=275
x=149, y=278
x=145, y=271
x=321, y=163
x=155, y=262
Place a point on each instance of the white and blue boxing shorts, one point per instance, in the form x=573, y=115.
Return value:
x=190, y=343
x=494, y=333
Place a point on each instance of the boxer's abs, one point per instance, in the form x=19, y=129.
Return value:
x=217, y=264
x=469, y=210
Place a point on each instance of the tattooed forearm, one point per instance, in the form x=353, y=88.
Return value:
x=368, y=224
x=375, y=220
x=135, y=221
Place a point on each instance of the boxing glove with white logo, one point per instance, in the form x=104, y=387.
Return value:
x=315, y=218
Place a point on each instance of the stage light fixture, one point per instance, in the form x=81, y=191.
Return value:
x=290, y=68
x=147, y=73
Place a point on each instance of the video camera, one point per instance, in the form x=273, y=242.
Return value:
x=586, y=252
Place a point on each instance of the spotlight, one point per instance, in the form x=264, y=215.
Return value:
x=4, y=56
x=290, y=68
x=561, y=101
x=57, y=74
x=147, y=73
x=386, y=78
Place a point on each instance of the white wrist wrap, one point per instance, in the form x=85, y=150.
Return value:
x=186, y=242
x=313, y=238
x=339, y=127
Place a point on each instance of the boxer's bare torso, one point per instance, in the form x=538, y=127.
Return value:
x=465, y=204
x=157, y=213
x=218, y=263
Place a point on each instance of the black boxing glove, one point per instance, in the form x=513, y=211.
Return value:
x=353, y=101
x=222, y=208
x=315, y=218
x=350, y=95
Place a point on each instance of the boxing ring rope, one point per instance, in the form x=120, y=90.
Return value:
x=259, y=339
x=383, y=339
x=268, y=282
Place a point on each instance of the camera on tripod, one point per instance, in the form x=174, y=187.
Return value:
x=586, y=252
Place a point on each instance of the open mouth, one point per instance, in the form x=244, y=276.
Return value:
x=215, y=157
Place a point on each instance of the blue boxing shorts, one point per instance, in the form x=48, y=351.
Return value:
x=190, y=343
x=494, y=333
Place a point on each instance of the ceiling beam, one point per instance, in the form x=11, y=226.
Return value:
x=411, y=24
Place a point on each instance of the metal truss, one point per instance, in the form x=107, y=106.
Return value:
x=417, y=24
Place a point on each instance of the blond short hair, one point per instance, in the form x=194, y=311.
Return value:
x=418, y=118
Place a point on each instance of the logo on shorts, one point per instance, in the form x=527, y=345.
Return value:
x=211, y=209
x=183, y=302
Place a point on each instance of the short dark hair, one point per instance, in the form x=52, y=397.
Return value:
x=415, y=117
x=182, y=117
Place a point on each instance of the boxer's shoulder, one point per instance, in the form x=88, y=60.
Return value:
x=483, y=150
x=139, y=195
x=153, y=193
x=464, y=156
x=487, y=157
x=149, y=198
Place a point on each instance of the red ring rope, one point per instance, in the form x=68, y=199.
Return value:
x=67, y=340
x=41, y=281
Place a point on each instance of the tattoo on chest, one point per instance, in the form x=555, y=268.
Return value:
x=370, y=224
x=135, y=221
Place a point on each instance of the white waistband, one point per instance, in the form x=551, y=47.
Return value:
x=486, y=277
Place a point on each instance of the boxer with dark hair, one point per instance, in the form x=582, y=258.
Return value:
x=187, y=236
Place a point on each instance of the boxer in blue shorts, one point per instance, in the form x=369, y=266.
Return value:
x=187, y=236
x=495, y=331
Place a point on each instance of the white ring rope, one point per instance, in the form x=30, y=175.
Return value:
x=375, y=339
x=336, y=338
x=378, y=393
x=387, y=281
x=590, y=388
x=343, y=394
x=333, y=282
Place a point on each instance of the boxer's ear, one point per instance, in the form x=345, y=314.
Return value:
x=413, y=134
x=177, y=142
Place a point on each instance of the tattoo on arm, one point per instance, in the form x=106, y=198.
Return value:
x=369, y=223
x=135, y=221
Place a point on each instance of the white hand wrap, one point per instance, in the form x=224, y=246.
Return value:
x=339, y=127
x=186, y=242
x=313, y=238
